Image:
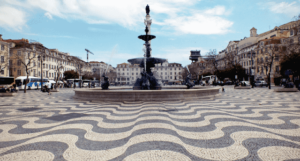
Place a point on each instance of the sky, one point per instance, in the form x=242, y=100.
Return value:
x=109, y=28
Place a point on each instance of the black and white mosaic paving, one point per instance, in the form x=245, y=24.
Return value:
x=244, y=124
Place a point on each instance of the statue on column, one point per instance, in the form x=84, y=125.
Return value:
x=147, y=9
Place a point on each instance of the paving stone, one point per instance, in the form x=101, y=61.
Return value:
x=243, y=124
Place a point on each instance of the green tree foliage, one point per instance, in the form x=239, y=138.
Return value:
x=71, y=75
x=291, y=61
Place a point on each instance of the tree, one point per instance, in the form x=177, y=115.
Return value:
x=184, y=73
x=71, y=74
x=231, y=72
x=232, y=60
x=79, y=64
x=58, y=71
x=194, y=70
x=213, y=61
x=111, y=76
x=25, y=59
x=87, y=76
x=3, y=65
x=273, y=49
x=291, y=62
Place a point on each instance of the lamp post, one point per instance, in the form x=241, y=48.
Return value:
x=41, y=57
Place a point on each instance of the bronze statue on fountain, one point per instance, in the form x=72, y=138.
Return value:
x=147, y=80
x=188, y=82
x=105, y=85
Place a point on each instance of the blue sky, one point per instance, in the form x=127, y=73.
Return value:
x=110, y=28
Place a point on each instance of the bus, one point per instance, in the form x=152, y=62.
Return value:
x=6, y=80
x=71, y=82
x=34, y=82
x=209, y=79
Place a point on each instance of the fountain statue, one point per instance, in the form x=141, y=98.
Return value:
x=147, y=81
x=188, y=83
x=105, y=85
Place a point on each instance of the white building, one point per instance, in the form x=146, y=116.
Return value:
x=167, y=72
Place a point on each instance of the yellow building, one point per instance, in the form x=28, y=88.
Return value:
x=4, y=57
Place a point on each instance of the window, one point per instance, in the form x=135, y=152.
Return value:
x=166, y=73
x=261, y=60
x=19, y=62
x=2, y=59
x=19, y=72
x=277, y=68
x=292, y=32
x=170, y=77
x=257, y=69
x=166, y=77
x=28, y=54
x=137, y=73
x=10, y=62
x=2, y=47
x=266, y=59
x=127, y=73
x=170, y=73
x=292, y=40
x=132, y=73
x=276, y=58
x=262, y=69
x=19, y=53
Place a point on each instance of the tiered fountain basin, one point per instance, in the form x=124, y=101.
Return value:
x=168, y=93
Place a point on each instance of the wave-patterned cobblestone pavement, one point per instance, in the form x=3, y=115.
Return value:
x=255, y=124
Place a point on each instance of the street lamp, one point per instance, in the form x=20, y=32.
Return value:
x=41, y=57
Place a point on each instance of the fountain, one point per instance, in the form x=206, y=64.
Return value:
x=146, y=88
x=147, y=81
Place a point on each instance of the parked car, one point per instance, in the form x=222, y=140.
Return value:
x=229, y=82
x=260, y=84
x=245, y=82
x=221, y=83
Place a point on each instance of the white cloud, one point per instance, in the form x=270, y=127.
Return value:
x=48, y=15
x=11, y=18
x=204, y=22
x=290, y=9
x=176, y=15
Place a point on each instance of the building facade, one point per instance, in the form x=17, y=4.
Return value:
x=4, y=57
x=252, y=52
x=166, y=72
x=38, y=60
